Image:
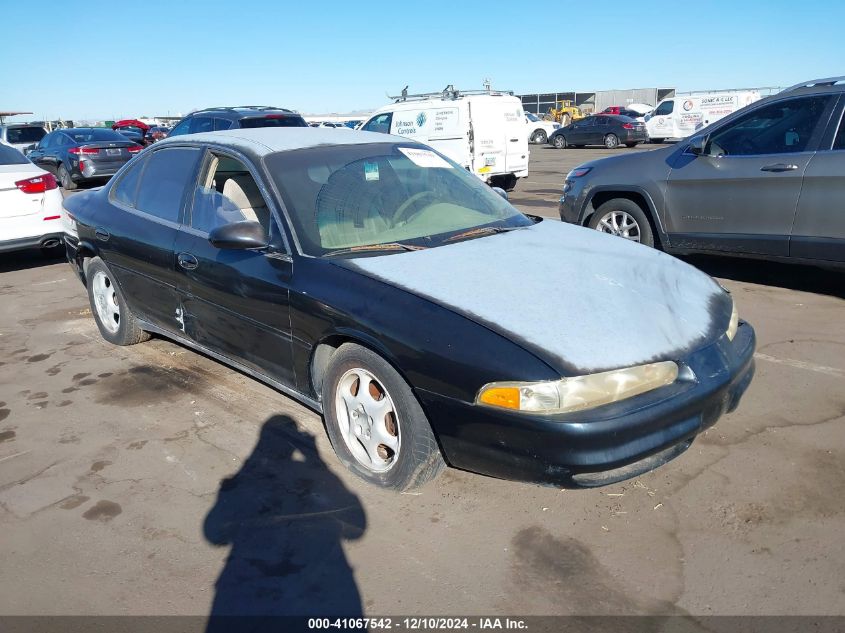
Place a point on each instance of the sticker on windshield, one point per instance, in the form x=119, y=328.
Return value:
x=371, y=171
x=424, y=157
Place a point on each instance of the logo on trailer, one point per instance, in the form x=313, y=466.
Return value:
x=421, y=119
x=688, y=105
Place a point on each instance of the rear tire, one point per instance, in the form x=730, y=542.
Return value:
x=611, y=141
x=114, y=318
x=357, y=420
x=559, y=141
x=65, y=180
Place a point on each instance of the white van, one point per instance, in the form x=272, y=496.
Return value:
x=483, y=131
x=680, y=116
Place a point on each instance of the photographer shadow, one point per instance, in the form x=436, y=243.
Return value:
x=285, y=515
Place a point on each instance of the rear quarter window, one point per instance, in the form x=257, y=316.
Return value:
x=126, y=188
x=25, y=134
x=273, y=121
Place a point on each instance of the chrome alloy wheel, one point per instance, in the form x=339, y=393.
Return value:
x=367, y=420
x=621, y=224
x=105, y=300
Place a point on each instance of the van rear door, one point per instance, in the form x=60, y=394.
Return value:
x=500, y=145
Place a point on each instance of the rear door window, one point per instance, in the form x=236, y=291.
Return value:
x=31, y=134
x=221, y=124
x=202, y=124
x=168, y=175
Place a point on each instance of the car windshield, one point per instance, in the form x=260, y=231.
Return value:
x=342, y=197
x=31, y=134
x=11, y=156
x=94, y=135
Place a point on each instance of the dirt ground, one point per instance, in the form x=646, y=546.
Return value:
x=128, y=475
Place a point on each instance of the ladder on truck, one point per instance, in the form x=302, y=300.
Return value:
x=448, y=93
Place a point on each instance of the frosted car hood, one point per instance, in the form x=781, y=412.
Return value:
x=580, y=300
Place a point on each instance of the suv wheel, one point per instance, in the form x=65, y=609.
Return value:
x=623, y=218
x=539, y=136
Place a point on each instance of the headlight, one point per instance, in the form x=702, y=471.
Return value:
x=579, y=392
x=734, y=324
x=578, y=172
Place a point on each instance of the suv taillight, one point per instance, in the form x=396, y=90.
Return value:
x=38, y=184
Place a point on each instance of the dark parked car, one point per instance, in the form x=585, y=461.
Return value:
x=380, y=283
x=766, y=181
x=83, y=154
x=609, y=130
x=216, y=119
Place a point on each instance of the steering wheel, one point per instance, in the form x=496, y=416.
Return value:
x=402, y=213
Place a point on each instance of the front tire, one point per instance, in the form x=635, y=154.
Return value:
x=623, y=218
x=375, y=423
x=114, y=318
x=539, y=137
x=65, y=180
x=559, y=142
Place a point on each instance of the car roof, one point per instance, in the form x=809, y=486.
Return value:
x=267, y=140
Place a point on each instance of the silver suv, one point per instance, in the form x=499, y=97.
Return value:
x=767, y=181
x=21, y=135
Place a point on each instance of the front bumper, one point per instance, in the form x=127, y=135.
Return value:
x=603, y=445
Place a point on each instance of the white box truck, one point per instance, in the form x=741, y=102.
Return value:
x=483, y=131
x=681, y=115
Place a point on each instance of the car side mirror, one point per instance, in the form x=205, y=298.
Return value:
x=500, y=192
x=696, y=145
x=239, y=236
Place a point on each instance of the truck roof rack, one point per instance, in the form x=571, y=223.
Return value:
x=449, y=92
x=829, y=81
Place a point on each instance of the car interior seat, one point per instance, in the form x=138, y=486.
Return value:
x=242, y=191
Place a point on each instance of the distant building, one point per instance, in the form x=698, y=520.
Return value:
x=541, y=103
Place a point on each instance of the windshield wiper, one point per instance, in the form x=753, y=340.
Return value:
x=483, y=230
x=389, y=246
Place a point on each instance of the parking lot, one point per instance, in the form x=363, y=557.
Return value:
x=123, y=471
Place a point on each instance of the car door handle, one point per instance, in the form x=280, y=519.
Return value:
x=514, y=140
x=187, y=261
x=102, y=235
x=777, y=167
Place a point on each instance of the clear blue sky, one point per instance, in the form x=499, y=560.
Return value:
x=114, y=59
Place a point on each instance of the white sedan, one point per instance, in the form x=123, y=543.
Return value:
x=31, y=213
x=539, y=130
